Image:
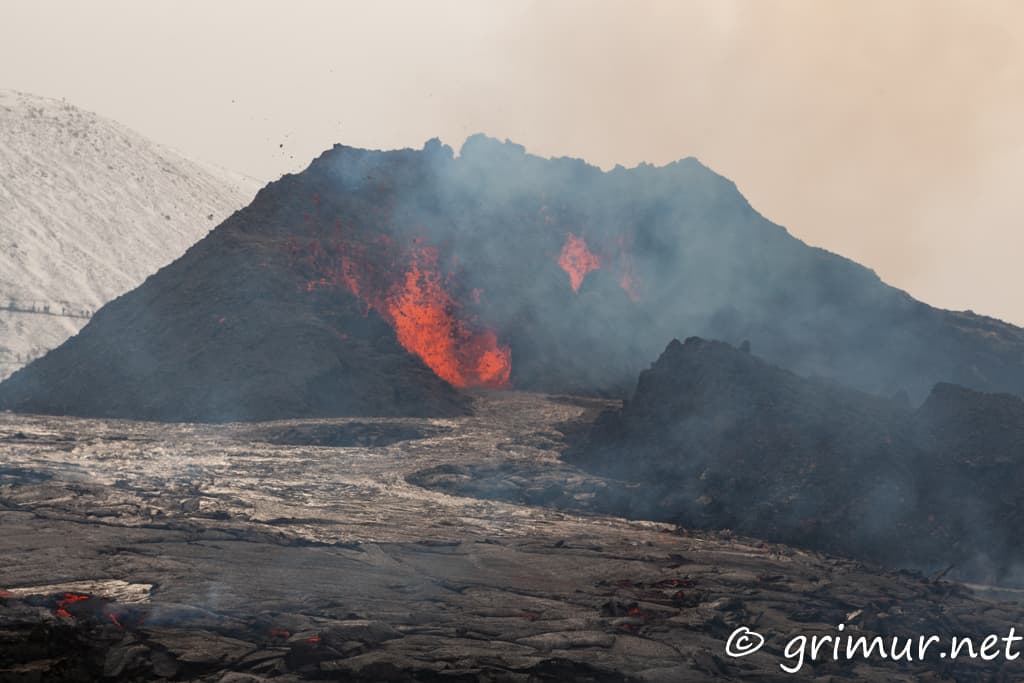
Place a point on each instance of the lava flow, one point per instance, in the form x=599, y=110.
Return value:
x=577, y=260
x=405, y=286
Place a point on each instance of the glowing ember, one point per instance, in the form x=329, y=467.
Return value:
x=410, y=293
x=577, y=260
x=68, y=599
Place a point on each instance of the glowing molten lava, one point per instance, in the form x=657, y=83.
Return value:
x=422, y=314
x=69, y=599
x=577, y=260
x=405, y=286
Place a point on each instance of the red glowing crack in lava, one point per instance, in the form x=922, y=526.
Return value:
x=69, y=599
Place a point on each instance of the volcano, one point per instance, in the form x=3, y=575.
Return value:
x=383, y=283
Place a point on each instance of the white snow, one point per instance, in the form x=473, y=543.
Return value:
x=88, y=210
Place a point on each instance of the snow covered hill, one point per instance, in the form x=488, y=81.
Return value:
x=88, y=210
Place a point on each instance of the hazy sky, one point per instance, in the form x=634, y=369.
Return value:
x=889, y=131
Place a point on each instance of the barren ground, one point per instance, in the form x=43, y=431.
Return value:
x=299, y=549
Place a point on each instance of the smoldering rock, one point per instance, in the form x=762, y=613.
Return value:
x=720, y=438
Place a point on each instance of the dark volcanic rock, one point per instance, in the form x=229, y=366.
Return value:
x=976, y=429
x=346, y=434
x=373, y=579
x=260, y=320
x=723, y=439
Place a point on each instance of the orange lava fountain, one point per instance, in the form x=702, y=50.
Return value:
x=422, y=314
x=405, y=286
x=577, y=260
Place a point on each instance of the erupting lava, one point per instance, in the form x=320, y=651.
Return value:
x=405, y=286
x=577, y=260
x=422, y=313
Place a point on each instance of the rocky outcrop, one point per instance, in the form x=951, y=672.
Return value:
x=722, y=439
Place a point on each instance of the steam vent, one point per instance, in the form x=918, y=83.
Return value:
x=385, y=283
